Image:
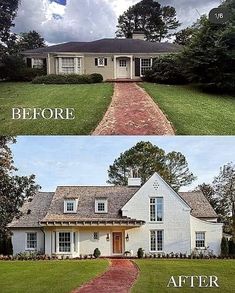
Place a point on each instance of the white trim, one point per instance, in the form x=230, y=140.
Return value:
x=163, y=241
x=151, y=58
x=202, y=232
x=70, y=201
x=26, y=241
x=105, y=202
x=115, y=64
x=99, y=64
x=156, y=222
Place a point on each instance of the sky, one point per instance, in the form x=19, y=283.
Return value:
x=84, y=160
x=61, y=21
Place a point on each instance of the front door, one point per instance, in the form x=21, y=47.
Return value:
x=123, y=68
x=117, y=242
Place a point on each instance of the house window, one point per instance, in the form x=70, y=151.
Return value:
x=96, y=236
x=68, y=65
x=101, y=62
x=37, y=63
x=122, y=63
x=145, y=65
x=156, y=209
x=64, y=242
x=101, y=206
x=31, y=241
x=200, y=239
x=156, y=240
x=70, y=206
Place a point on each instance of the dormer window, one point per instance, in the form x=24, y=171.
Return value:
x=101, y=206
x=70, y=206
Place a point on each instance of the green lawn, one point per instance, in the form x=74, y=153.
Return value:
x=193, y=112
x=90, y=103
x=46, y=276
x=155, y=274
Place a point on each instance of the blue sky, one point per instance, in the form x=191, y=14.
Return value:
x=85, y=20
x=85, y=160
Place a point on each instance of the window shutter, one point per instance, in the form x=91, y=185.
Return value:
x=45, y=62
x=137, y=66
x=105, y=61
x=96, y=61
x=29, y=62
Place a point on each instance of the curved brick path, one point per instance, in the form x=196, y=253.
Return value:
x=133, y=112
x=119, y=278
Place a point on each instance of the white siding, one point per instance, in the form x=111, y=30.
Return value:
x=176, y=218
x=213, y=233
x=19, y=240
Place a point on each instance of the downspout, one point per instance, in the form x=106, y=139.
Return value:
x=44, y=238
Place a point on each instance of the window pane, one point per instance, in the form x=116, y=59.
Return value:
x=200, y=239
x=145, y=65
x=70, y=206
x=159, y=209
x=152, y=241
x=68, y=62
x=37, y=63
x=101, y=206
x=64, y=242
x=156, y=209
x=159, y=240
x=31, y=240
x=100, y=61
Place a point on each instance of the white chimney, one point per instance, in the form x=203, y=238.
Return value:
x=134, y=182
x=134, y=179
x=138, y=35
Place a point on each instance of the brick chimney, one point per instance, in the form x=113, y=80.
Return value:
x=138, y=35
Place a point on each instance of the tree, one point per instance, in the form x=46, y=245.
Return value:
x=145, y=159
x=210, y=56
x=149, y=16
x=224, y=187
x=14, y=189
x=209, y=193
x=183, y=37
x=8, y=10
x=29, y=41
x=224, y=247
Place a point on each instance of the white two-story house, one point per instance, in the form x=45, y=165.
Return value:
x=75, y=220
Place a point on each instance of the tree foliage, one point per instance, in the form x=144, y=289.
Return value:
x=183, y=37
x=8, y=11
x=14, y=189
x=28, y=41
x=166, y=70
x=210, y=56
x=146, y=159
x=149, y=16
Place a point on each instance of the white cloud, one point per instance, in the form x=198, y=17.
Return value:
x=85, y=20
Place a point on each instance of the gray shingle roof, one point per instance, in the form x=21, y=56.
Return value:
x=201, y=207
x=110, y=46
x=117, y=197
x=47, y=207
x=38, y=208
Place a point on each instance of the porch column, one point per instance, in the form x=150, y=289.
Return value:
x=131, y=58
x=115, y=67
x=48, y=64
x=71, y=243
x=48, y=242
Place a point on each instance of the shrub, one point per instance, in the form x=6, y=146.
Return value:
x=224, y=247
x=166, y=70
x=231, y=246
x=96, y=78
x=68, y=79
x=140, y=253
x=97, y=253
x=13, y=68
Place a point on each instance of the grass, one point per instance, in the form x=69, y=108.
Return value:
x=89, y=101
x=48, y=276
x=193, y=112
x=155, y=274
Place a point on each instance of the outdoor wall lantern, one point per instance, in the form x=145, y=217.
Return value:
x=112, y=58
x=107, y=237
x=127, y=237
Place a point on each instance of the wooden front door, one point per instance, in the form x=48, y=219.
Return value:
x=117, y=242
x=123, y=68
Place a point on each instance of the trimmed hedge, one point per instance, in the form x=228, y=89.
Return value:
x=68, y=79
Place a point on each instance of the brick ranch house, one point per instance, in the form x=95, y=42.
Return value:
x=112, y=58
x=73, y=221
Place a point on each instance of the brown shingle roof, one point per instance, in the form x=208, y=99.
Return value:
x=201, y=207
x=33, y=212
x=110, y=46
x=117, y=197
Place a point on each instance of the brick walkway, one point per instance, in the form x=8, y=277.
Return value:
x=119, y=278
x=133, y=112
